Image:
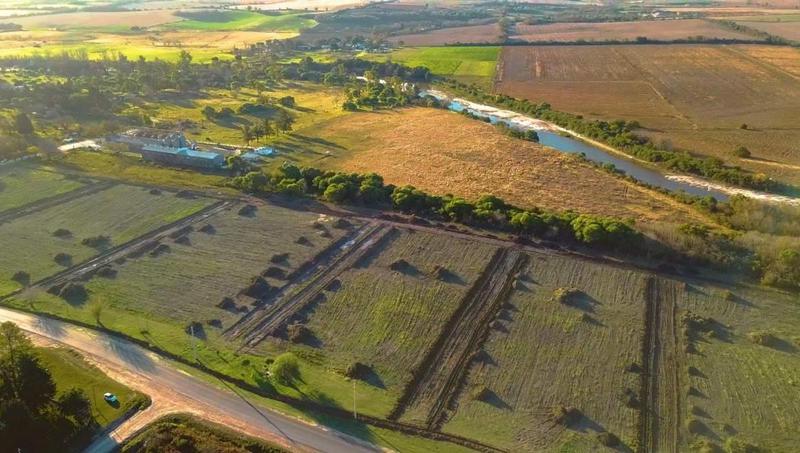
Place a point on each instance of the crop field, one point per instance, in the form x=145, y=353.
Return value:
x=198, y=269
x=657, y=30
x=21, y=184
x=437, y=150
x=97, y=20
x=468, y=64
x=542, y=354
x=677, y=92
x=120, y=213
x=485, y=34
x=389, y=326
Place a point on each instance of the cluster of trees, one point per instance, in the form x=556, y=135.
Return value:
x=32, y=416
x=375, y=93
x=620, y=134
x=487, y=212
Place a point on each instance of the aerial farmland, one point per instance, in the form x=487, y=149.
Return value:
x=350, y=226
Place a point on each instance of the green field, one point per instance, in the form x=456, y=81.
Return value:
x=468, y=63
x=70, y=370
x=121, y=212
x=21, y=184
x=216, y=20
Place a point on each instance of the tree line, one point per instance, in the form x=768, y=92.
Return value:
x=488, y=211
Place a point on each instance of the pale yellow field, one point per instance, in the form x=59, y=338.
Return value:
x=662, y=30
x=98, y=19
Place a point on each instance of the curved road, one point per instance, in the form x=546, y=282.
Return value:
x=173, y=390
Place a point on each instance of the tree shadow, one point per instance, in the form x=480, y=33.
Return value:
x=582, y=301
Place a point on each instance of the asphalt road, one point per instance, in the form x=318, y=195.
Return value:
x=177, y=391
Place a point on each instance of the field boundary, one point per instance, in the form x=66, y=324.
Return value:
x=460, y=339
x=55, y=200
x=268, y=322
x=122, y=250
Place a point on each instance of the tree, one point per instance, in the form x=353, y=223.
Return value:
x=23, y=124
x=285, y=368
x=247, y=134
x=267, y=128
x=337, y=192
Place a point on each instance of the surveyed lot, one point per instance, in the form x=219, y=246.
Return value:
x=656, y=30
x=484, y=34
x=50, y=240
x=681, y=93
x=23, y=184
x=438, y=150
x=469, y=64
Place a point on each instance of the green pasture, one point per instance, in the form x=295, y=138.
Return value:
x=224, y=20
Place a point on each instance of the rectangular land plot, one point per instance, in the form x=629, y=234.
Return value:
x=738, y=387
x=120, y=213
x=390, y=326
x=542, y=354
x=218, y=258
x=21, y=184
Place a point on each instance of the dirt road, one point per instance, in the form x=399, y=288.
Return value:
x=173, y=390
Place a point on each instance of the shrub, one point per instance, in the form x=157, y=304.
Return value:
x=74, y=292
x=480, y=393
x=22, y=277
x=357, y=370
x=763, y=339
x=608, y=439
x=734, y=445
x=63, y=259
x=97, y=242
x=564, y=295
x=565, y=415
x=298, y=333
x=742, y=152
x=285, y=368
x=62, y=233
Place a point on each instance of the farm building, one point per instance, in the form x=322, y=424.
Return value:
x=184, y=157
x=142, y=137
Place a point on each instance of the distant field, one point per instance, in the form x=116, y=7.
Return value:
x=787, y=29
x=22, y=184
x=221, y=20
x=661, y=30
x=488, y=34
x=124, y=19
x=680, y=90
x=440, y=151
x=127, y=212
x=542, y=354
x=470, y=64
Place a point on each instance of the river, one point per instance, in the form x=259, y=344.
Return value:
x=553, y=136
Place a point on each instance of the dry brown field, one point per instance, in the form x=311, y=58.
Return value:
x=786, y=30
x=663, y=30
x=443, y=152
x=99, y=19
x=488, y=33
x=697, y=96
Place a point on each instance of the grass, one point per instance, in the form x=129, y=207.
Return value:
x=21, y=184
x=99, y=51
x=544, y=355
x=127, y=212
x=314, y=103
x=387, y=326
x=469, y=63
x=444, y=152
x=70, y=370
x=130, y=167
x=216, y=20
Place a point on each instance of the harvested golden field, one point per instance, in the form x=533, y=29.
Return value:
x=489, y=34
x=660, y=30
x=443, y=152
x=98, y=19
x=697, y=96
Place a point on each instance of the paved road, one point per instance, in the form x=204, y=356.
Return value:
x=173, y=390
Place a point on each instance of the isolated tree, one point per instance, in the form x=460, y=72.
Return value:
x=285, y=368
x=267, y=127
x=742, y=152
x=247, y=134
